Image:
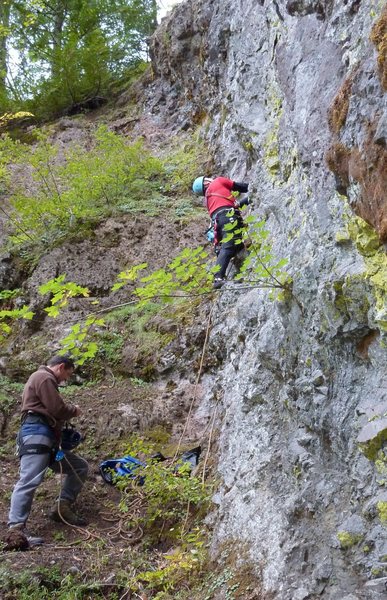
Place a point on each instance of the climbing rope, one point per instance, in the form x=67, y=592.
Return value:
x=209, y=444
x=116, y=531
x=196, y=384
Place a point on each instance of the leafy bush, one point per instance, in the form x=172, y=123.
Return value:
x=9, y=392
x=9, y=314
x=260, y=268
x=68, y=54
x=61, y=293
x=187, y=274
x=168, y=507
x=70, y=198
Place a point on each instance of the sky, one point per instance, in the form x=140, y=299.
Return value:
x=166, y=5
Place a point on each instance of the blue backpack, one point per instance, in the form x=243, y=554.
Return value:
x=125, y=466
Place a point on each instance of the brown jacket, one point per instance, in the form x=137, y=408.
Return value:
x=41, y=395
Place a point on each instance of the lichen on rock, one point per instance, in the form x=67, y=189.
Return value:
x=347, y=539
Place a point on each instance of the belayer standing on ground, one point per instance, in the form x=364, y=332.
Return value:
x=43, y=415
x=223, y=208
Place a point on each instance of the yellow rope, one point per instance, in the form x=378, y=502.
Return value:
x=196, y=385
x=209, y=444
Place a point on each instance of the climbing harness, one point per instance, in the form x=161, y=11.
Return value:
x=35, y=436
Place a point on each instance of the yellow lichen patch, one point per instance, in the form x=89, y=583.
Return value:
x=347, y=539
x=366, y=241
x=382, y=511
x=379, y=38
x=337, y=113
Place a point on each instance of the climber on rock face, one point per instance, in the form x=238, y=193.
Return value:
x=223, y=208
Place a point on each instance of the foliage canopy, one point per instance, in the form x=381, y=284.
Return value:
x=55, y=54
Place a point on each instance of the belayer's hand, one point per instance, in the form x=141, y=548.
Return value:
x=79, y=411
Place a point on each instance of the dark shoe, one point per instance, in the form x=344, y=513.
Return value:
x=20, y=539
x=218, y=282
x=33, y=540
x=63, y=513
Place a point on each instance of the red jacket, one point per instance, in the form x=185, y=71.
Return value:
x=218, y=194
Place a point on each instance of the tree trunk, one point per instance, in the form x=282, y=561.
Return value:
x=4, y=25
x=57, y=37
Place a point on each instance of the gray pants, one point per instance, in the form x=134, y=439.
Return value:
x=32, y=470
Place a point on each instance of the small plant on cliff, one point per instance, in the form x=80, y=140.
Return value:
x=260, y=268
x=186, y=275
x=78, y=343
x=10, y=314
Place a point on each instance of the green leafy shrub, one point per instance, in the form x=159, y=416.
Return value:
x=169, y=507
x=9, y=393
x=9, y=316
x=70, y=198
x=176, y=568
x=61, y=293
x=7, y=295
x=187, y=274
x=260, y=268
x=79, y=343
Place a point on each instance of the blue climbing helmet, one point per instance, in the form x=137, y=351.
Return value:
x=198, y=186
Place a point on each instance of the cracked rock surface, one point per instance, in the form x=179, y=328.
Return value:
x=299, y=381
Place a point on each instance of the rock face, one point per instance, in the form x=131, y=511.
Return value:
x=282, y=90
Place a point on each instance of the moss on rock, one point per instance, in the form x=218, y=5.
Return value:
x=371, y=440
x=366, y=240
x=271, y=148
x=382, y=511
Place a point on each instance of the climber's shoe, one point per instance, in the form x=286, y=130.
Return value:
x=218, y=282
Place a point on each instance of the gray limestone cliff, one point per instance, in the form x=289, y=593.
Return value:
x=290, y=95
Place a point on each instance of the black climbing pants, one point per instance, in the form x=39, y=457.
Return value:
x=229, y=249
